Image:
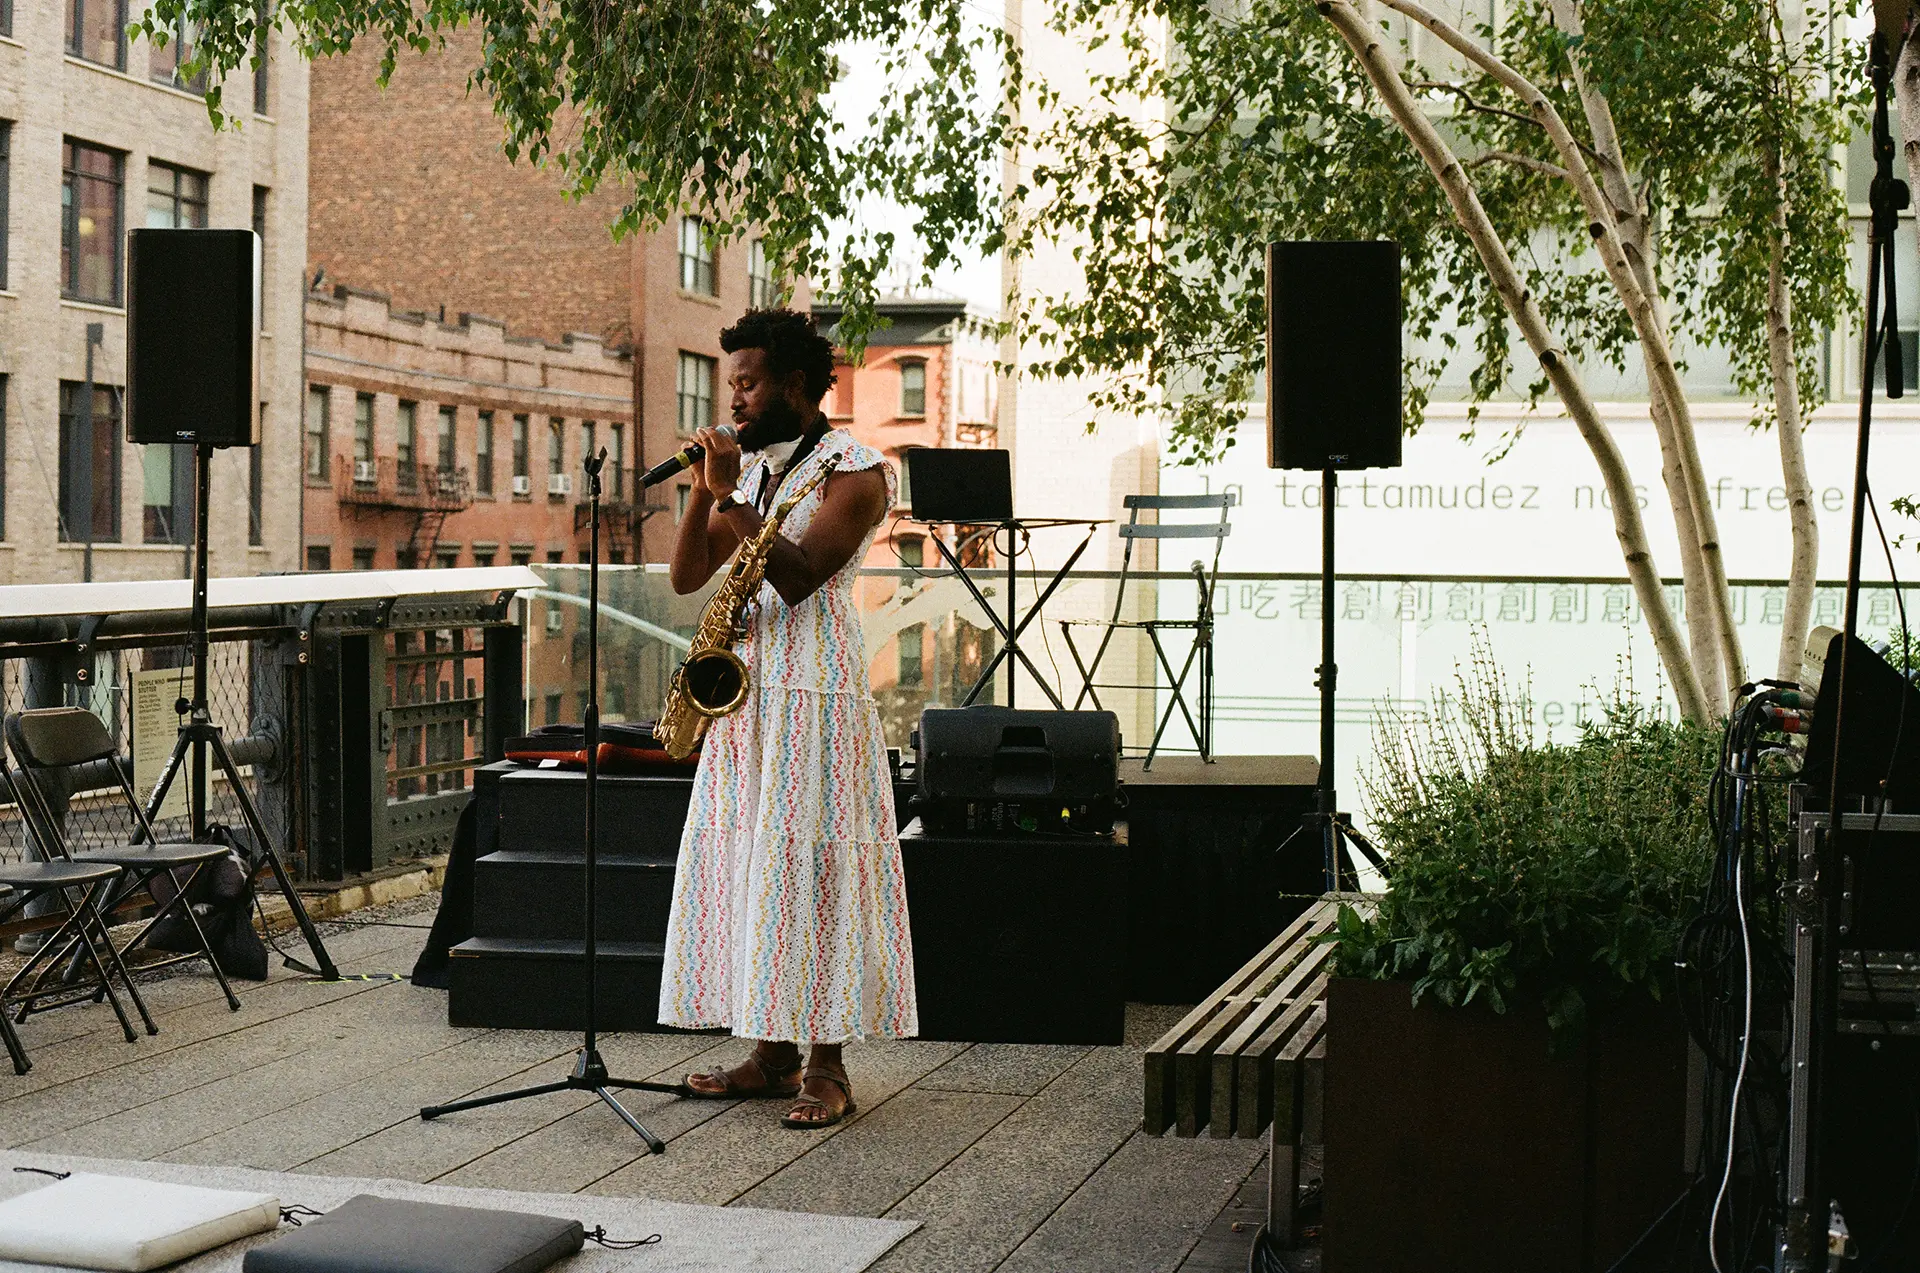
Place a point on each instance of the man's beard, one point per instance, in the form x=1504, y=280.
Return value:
x=778, y=422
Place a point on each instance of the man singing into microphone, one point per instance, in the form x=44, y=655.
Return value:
x=789, y=920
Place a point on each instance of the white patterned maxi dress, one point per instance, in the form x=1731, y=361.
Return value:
x=789, y=916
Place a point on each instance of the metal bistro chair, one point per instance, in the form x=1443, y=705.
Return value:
x=78, y=886
x=52, y=738
x=1201, y=625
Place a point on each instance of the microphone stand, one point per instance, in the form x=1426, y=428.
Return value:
x=589, y=1070
x=1819, y=924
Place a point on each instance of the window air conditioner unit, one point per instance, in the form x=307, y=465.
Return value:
x=559, y=483
x=522, y=484
x=554, y=619
x=363, y=471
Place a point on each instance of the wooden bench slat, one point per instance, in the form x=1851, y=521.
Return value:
x=1194, y=1062
x=1276, y=1083
x=1289, y=1003
x=1160, y=1069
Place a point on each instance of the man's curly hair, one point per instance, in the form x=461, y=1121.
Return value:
x=792, y=344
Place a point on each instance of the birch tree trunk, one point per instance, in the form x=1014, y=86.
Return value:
x=1906, y=97
x=1361, y=38
x=1782, y=358
x=1710, y=617
x=1679, y=444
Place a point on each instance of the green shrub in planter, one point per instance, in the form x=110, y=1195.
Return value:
x=1527, y=873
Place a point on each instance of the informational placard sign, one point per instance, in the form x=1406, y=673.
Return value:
x=155, y=727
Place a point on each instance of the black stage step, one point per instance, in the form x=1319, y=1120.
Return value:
x=544, y=811
x=519, y=983
x=541, y=896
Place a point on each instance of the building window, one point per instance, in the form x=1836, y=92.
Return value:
x=589, y=436
x=363, y=557
x=317, y=441
x=260, y=232
x=166, y=493
x=906, y=486
x=261, y=35
x=446, y=558
x=256, y=485
x=483, y=454
x=619, y=457
x=89, y=465
x=165, y=60
x=405, y=558
x=320, y=557
x=6, y=17
x=695, y=393
x=3, y=453
x=91, y=181
x=680, y=494
x=553, y=709
x=762, y=291
x=521, y=461
x=176, y=198
x=912, y=641
x=520, y=556
x=483, y=557
x=696, y=257
x=446, y=440
x=556, y=451
x=97, y=31
x=363, y=438
x=913, y=388
x=913, y=552
x=406, y=436
x=6, y=173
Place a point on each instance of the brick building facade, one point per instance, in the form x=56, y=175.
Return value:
x=433, y=443
x=97, y=135
x=413, y=197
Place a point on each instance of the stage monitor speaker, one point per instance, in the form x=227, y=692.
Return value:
x=1333, y=355
x=193, y=336
x=1881, y=756
x=986, y=770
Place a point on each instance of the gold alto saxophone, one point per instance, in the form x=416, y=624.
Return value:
x=711, y=681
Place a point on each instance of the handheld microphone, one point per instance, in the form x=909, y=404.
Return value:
x=682, y=460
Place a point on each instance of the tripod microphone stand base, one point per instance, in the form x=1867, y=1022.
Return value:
x=589, y=1075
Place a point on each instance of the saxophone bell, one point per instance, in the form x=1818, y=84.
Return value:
x=716, y=682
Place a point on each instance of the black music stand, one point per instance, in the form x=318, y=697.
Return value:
x=1013, y=625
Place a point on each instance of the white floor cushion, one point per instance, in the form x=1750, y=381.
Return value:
x=113, y=1222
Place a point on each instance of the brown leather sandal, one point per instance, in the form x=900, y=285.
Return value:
x=806, y=1102
x=774, y=1084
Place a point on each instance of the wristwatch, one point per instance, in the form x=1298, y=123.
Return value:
x=736, y=498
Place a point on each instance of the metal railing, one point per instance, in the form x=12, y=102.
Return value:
x=355, y=703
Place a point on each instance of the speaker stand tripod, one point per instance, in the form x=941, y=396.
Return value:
x=1335, y=829
x=589, y=1069
x=200, y=736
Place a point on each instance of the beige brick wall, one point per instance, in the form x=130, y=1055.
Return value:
x=49, y=96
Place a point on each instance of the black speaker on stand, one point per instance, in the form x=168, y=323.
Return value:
x=1333, y=403
x=193, y=379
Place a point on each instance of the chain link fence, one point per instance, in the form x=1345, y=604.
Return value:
x=154, y=676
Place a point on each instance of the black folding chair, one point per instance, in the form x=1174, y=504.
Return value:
x=49, y=739
x=78, y=886
x=1201, y=625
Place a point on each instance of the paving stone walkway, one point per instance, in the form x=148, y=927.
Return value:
x=1024, y=1159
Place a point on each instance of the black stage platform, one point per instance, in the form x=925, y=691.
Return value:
x=1201, y=889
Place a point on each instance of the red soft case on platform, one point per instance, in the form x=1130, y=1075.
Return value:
x=624, y=749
